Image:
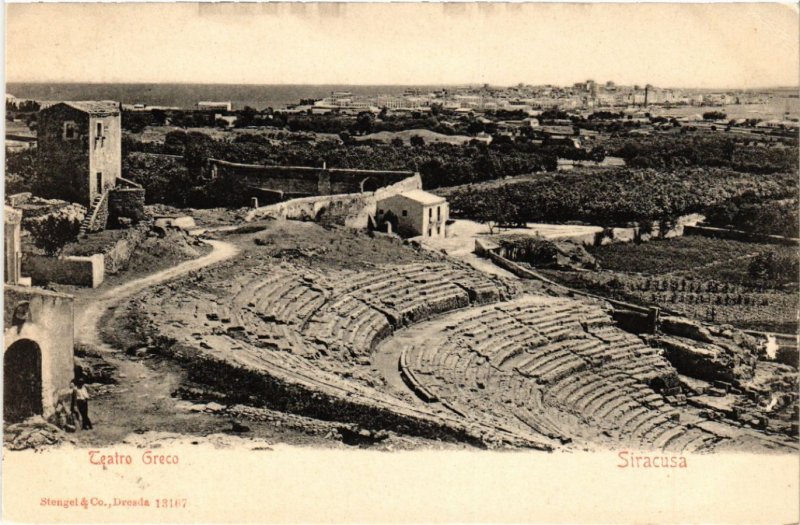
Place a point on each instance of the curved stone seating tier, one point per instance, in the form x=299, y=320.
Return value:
x=334, y=317
x=556, y=366
x=536, y=368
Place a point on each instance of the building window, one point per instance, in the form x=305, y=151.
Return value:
x=99, y=138
x=70, y=131
x=430, y=213
x=405, y=213
x=99, y=182
x=438, y=213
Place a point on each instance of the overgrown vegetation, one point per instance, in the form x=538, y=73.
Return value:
x=54, y=232
x=752, y=286
x=707, y=150
x=613, y=197
x=756, y=213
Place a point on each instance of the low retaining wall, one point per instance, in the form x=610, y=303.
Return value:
x=71, y=269
x=737, y=235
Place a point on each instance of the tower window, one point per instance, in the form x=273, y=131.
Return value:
x=70, y=131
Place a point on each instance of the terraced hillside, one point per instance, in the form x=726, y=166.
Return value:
x=311, y=334
x=559, y=367
x=364, y=329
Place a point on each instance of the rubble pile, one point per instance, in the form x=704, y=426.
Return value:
x=709, y=353
x=33, y=433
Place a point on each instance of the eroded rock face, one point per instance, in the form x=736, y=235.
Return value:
x=729, y=356
x=545, y=253
x=710, y=353
x=34, y=433
x=681, y=327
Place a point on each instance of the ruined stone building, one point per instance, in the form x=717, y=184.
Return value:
x=271, y=184
x=414, y=213
x=38, y=336
x=81, y=146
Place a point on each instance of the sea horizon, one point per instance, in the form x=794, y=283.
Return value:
x=258, y=96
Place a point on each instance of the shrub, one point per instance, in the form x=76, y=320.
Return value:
x=771, y=266
x=54, y=232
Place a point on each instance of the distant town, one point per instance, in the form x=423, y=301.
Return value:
x=498, y=111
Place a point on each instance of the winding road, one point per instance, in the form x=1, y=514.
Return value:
x=87, y=319
x=142, y=399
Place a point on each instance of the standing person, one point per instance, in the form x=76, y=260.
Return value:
x=80, y=399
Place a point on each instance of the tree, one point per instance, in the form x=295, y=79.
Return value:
x=417, y=141
x=54, y=232
x=159, y=117
x=246, y=117
x=346, y=138
x=714, y=115
x=364, y=123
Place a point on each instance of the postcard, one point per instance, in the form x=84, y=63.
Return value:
x=401, y=263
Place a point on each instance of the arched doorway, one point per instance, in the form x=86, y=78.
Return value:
x=369, y=184
x=22, y=380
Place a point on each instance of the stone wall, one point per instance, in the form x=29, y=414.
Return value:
x=75, y=270
x=736, y=235
x=351, y=210
x=48, y=321
x=299, y=181
x=126, y=203
x=60, y=153
x=105, y=152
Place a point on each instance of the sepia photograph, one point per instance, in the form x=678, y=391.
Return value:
x=309, y=252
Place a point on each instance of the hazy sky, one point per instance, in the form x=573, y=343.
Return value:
x=711, y=45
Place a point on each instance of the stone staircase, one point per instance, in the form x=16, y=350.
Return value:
x=92, y=214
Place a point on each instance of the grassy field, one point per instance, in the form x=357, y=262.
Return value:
x=706, y=279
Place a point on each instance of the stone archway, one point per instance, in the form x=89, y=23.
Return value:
x=22, y=380
x=370, y=184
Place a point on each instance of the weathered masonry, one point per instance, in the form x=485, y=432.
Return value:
x=273, y=184
x=414, y=213
x=12, y=246
x=37, y=352
x=87, y=129
x=81, y=144
x=38, y=336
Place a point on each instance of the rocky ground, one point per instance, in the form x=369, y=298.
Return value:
x=140, y=395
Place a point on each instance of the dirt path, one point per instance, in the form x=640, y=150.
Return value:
x=88, y=315
x=142, y=399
